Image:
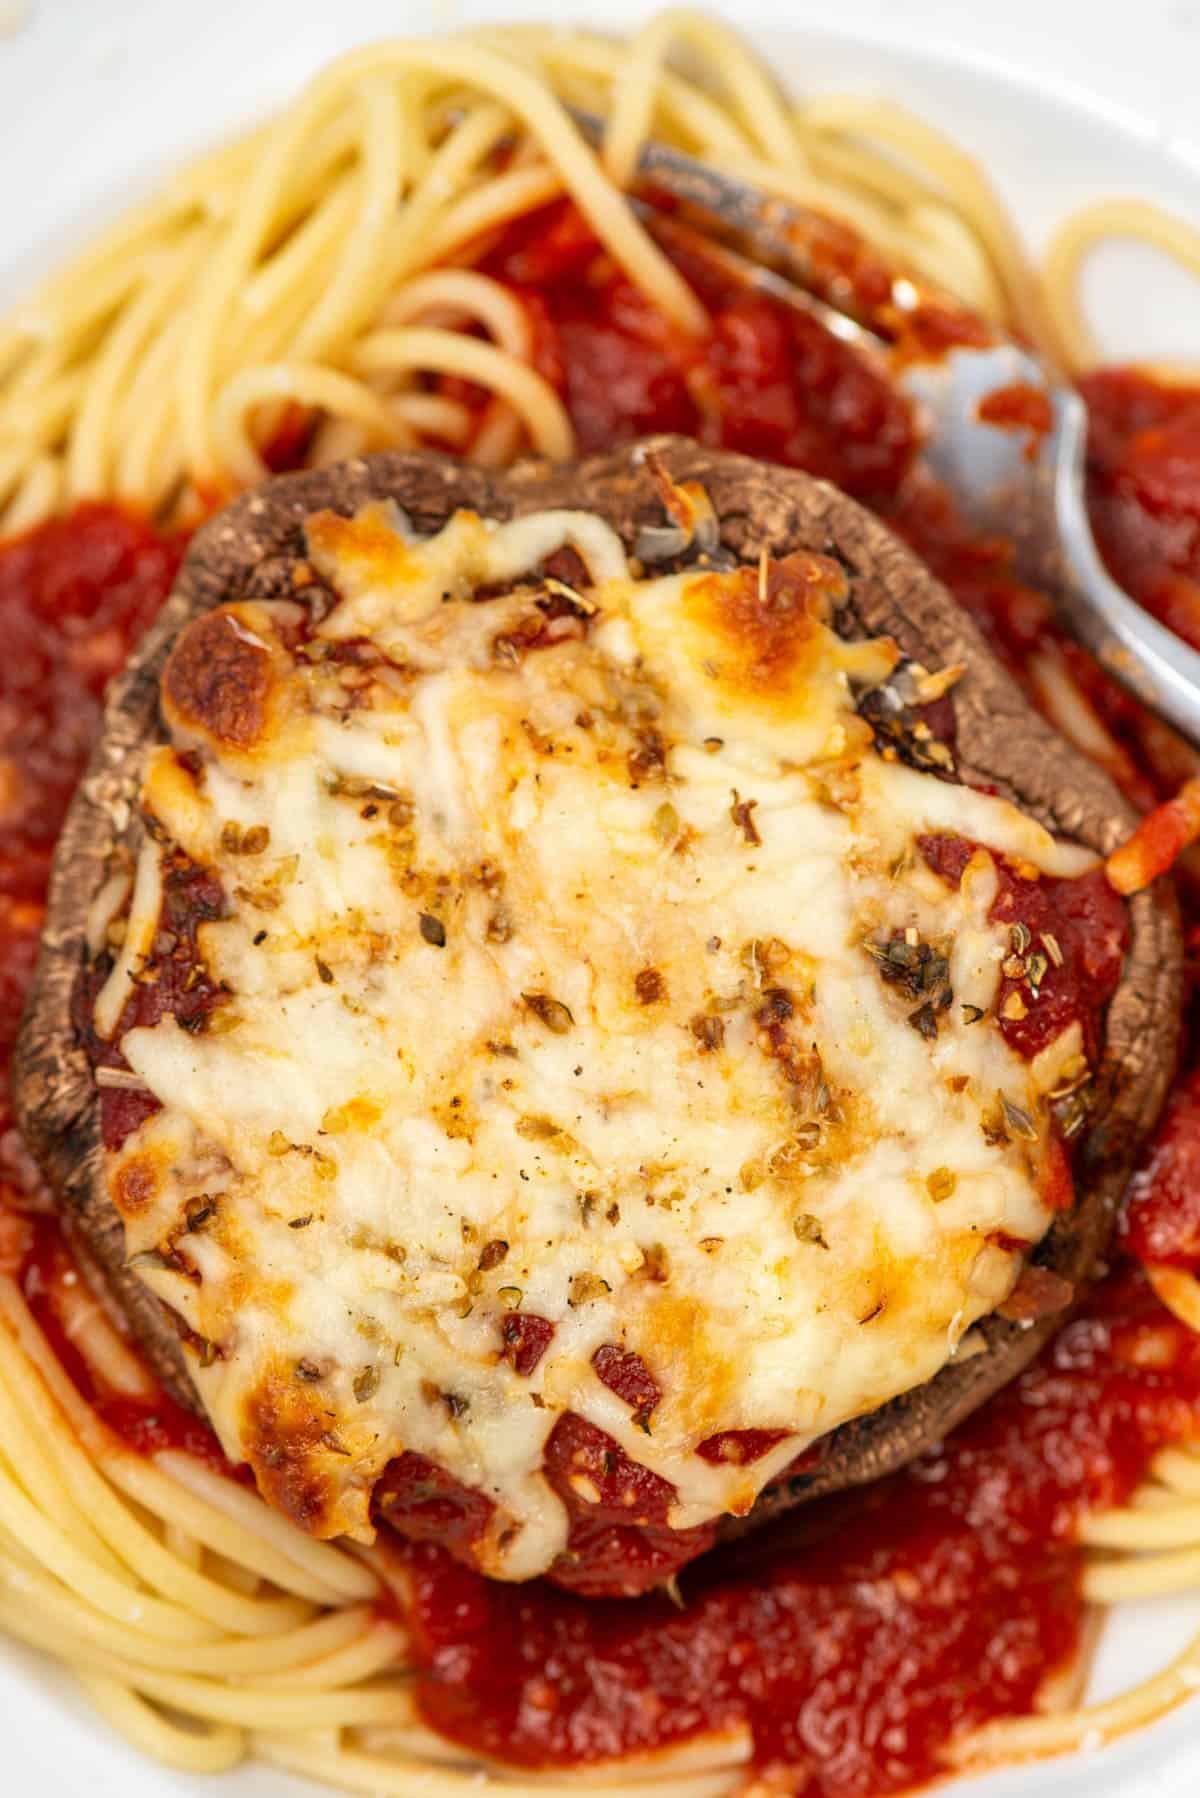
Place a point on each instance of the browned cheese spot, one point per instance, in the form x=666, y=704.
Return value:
x=764, y=623
x=366, y=548
x=135, y=1184
x=649, y=986
x=287, y=1437
x=218, y=681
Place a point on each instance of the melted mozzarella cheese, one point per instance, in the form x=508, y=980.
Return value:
x=554, y=986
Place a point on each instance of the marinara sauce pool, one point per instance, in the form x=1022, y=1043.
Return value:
x=75, y=596
x=855, y=1638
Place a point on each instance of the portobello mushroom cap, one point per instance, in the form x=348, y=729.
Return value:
x=249, y=551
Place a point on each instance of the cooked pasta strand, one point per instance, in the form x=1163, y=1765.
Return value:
x=158, y=361
x=212, y=1750
x=1082, y=233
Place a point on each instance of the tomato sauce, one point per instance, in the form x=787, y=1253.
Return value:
x=175, y=982
x=769, y=382
x=619, y=1541
x=1068, y=938
x=75, y=595
x=1019, y=407
x=855, y=1637
x=1144, y=489
x=525, y=1338
x=1162, y=1221
x=48, y=1271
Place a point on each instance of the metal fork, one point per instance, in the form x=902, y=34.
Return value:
x=1028, y=488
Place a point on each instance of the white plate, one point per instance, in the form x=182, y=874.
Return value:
x=1059, y=97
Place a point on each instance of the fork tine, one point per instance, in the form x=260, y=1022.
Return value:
x=860, y=297
x=733, y=202
x=673, y=233
x=822, y=267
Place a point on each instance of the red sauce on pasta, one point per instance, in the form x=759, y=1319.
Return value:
x=1019, y=407
x=51, y=1280
x=1144, y=473
x=769, y=382
x=856, y=1637
x=74, y=595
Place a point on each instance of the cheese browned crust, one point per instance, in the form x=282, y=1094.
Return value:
x=254, y=553
x=551, y=956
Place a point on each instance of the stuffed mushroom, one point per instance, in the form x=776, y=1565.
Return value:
x=580, y=1007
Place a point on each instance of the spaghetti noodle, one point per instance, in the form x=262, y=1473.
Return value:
x=160, y=368
x=156, y=364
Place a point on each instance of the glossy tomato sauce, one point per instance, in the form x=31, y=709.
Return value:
x=767, y=381
x=75, y=595
x=854, y=1638
x=1144, y=472
x=1078, y=930
x=50, y=1278
x=1022, y=408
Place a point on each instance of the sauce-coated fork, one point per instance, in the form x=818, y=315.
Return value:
x=1027, y=485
